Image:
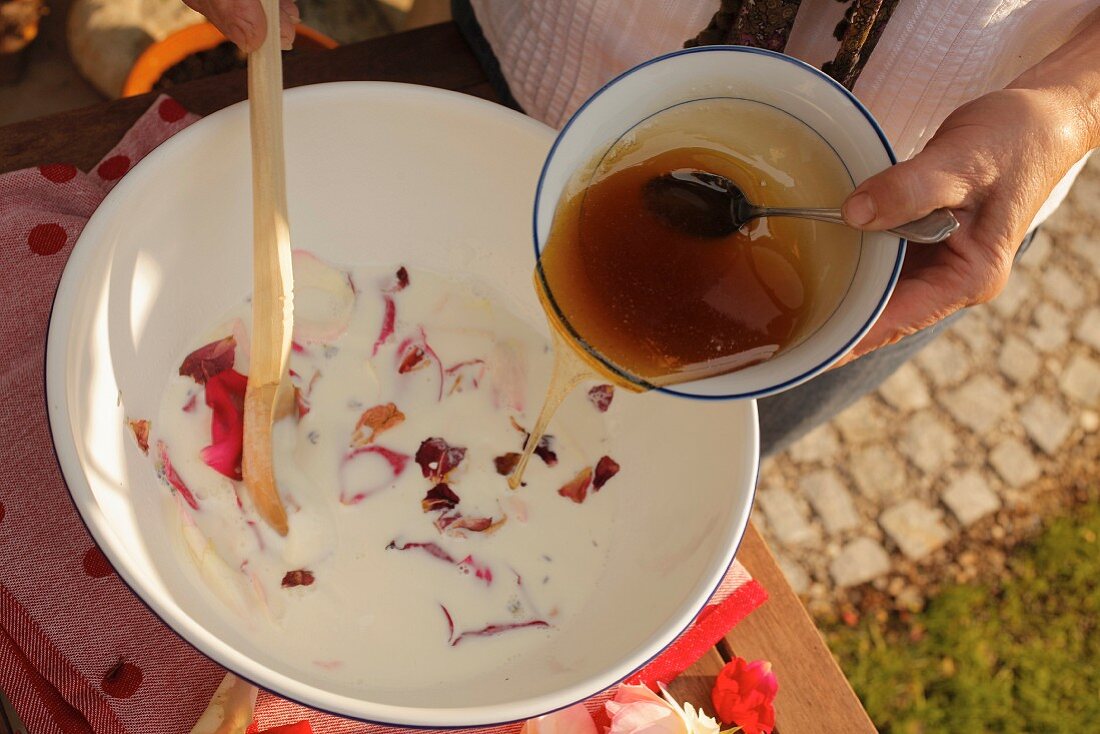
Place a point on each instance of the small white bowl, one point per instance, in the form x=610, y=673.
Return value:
x=783, y=82
x=382, y=173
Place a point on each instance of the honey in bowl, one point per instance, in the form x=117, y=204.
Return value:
x=659, y=306
x=637, y=302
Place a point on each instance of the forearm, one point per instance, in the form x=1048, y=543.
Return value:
x=1069, y=81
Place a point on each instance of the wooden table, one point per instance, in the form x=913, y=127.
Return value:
x=813, y=696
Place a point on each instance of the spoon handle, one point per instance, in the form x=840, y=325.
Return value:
x=935, y=227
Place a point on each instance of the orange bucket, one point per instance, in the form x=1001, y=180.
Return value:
x=174, y=48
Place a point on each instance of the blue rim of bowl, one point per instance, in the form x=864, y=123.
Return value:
x=93, y=529
x=887, y=292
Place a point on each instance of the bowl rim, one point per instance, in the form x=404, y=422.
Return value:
x=803, y=67
x=64, y=445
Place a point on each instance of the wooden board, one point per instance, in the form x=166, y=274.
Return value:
x=814, y=695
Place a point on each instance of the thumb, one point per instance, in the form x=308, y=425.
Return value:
x=906, y=191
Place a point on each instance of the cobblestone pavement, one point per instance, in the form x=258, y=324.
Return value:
x=954, y=448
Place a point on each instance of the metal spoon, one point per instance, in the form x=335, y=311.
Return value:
x=708, y=205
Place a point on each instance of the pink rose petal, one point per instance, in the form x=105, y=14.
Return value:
x=225, y=396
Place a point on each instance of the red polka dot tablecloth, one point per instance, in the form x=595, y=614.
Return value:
x=79, y=652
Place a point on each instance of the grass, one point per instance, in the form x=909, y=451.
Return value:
x=1022, y=656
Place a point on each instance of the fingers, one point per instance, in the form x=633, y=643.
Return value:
x=936, y=281
x=907, y=191
x=289, y=17
x=244, y=23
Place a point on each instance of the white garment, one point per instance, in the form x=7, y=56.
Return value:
x=933, y=56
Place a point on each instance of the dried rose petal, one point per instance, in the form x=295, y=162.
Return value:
x=576, y=488
x=140, y=429
x=301, y=577
x=397, y=463
x=439, y=497
x=374, y=422
x=518, y=427
x=413, y=358
x=389, y=319
x=506, y=463
x=208, y=360
x=473, y=524
x=465, y=375
x=495, y=629
x=402, y=278
x=428, y=547
x=545, y=450
x=415, y=354
x=437, y=458
x=169, y=473
x=601, y=396
x=480, y=570
x=606, y=468
x=456, y=524
x=225, y=396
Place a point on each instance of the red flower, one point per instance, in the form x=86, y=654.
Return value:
x=744, y=693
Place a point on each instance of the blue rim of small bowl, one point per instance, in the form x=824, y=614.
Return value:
x=94, y=528
x=887, y=292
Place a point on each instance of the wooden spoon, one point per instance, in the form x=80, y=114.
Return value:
x=269, y=396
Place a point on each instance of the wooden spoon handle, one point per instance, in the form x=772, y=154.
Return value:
x=272, y=289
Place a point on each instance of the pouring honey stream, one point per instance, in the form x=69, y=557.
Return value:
x=635, y=301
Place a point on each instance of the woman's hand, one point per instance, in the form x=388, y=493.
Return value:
x=242, y=21
x=993, y=162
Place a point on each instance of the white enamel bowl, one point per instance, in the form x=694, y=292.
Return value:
x=381, y=173
x=793, y=87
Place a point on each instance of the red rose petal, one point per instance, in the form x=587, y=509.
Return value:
x=173, y=479
x=545, y=450
x=428, y=547
x=170, y=110
x=468, y=565
x=96, y=564
x=396, y=461
x=495, y=629
x=465, y=375
x=114, y=168
x=606, y=468
x=122, y=680
x=389, y=318
x=46, y=239
x=576, y=488
x=300, y=577
x=437, y=458
x=58, y=172
x=225, y=395
x=209, y=359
